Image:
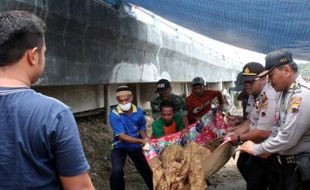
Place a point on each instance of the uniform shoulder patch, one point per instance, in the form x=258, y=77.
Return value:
x=295, y=104
x=264, y=104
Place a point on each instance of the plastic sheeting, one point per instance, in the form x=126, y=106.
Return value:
x=260, y=25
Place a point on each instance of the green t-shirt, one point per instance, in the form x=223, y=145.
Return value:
x=158, y=126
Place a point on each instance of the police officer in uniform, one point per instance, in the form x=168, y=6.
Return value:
x=258, y=127
x=293, y=117
x=233, y=120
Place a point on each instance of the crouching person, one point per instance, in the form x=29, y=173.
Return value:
x=129, y=129
x=169, y=122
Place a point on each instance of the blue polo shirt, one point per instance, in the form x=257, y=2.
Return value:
x=129, y=124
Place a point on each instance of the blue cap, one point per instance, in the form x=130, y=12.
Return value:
x=239, y=82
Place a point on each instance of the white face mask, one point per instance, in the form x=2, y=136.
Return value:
x=125, y=107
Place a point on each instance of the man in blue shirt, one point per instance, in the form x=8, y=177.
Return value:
x=129, y=129
x=40, y=146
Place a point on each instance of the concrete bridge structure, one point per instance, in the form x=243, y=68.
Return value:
x=93, y=47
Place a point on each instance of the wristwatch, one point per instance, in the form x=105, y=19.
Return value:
x=239, y=141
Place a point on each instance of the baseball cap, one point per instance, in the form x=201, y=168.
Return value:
x=198, y=80
x=239, y=82
x=275, y=59
x=251, y=70
x=162, y=85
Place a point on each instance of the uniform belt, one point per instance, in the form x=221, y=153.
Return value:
x=286, y=159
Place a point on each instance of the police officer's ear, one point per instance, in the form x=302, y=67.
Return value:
x=287, y=70
x=263, y=79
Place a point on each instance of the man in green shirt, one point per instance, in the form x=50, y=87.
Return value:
x=163, y=88
x=170, y=122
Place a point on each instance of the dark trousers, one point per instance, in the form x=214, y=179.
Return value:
x=118, y=159
x=242, y=164
x=290, y=179
x=259, y=173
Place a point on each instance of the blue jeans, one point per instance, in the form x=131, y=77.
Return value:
x=118, y=159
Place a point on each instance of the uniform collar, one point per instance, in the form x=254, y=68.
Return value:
x=296, y=84
x=134, y=109
x=299, y=79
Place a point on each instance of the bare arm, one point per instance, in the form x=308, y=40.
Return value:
x=80, y=182
x=255, y=135
x=143, y=134
x=130, y=139
x=243, y=127
x=185, y=121
x=232, y=120
x=220, y=97
x=190, y=115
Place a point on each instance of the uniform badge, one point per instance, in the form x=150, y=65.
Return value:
x=277, y=117
x=295, y=104
x=264, y=105
x=257, y=105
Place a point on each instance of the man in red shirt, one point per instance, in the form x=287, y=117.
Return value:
x=198, y=103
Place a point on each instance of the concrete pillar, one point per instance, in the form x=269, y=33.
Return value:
x=215, y=86
x=100, y=96
x=229, y=84
x=187, y=89
x=138, y=94
x=106, y=95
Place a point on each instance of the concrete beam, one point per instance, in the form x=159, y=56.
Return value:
x=90, y=43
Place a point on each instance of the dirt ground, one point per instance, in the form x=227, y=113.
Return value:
x=96, y=138
x=228, y=178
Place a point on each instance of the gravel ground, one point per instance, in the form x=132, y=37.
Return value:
x=96, y=138
x=228, y=178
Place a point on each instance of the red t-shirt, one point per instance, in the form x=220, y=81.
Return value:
x=198, y=106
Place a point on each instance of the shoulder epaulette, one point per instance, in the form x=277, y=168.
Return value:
x=305, y=86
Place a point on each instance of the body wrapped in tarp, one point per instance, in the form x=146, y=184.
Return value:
x=184, y=160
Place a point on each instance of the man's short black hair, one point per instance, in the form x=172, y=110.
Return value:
x=168, y=104
x=19, y=31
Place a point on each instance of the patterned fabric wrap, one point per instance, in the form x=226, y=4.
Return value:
x=211, y=127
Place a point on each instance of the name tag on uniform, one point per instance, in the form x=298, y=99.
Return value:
x=277, y=117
